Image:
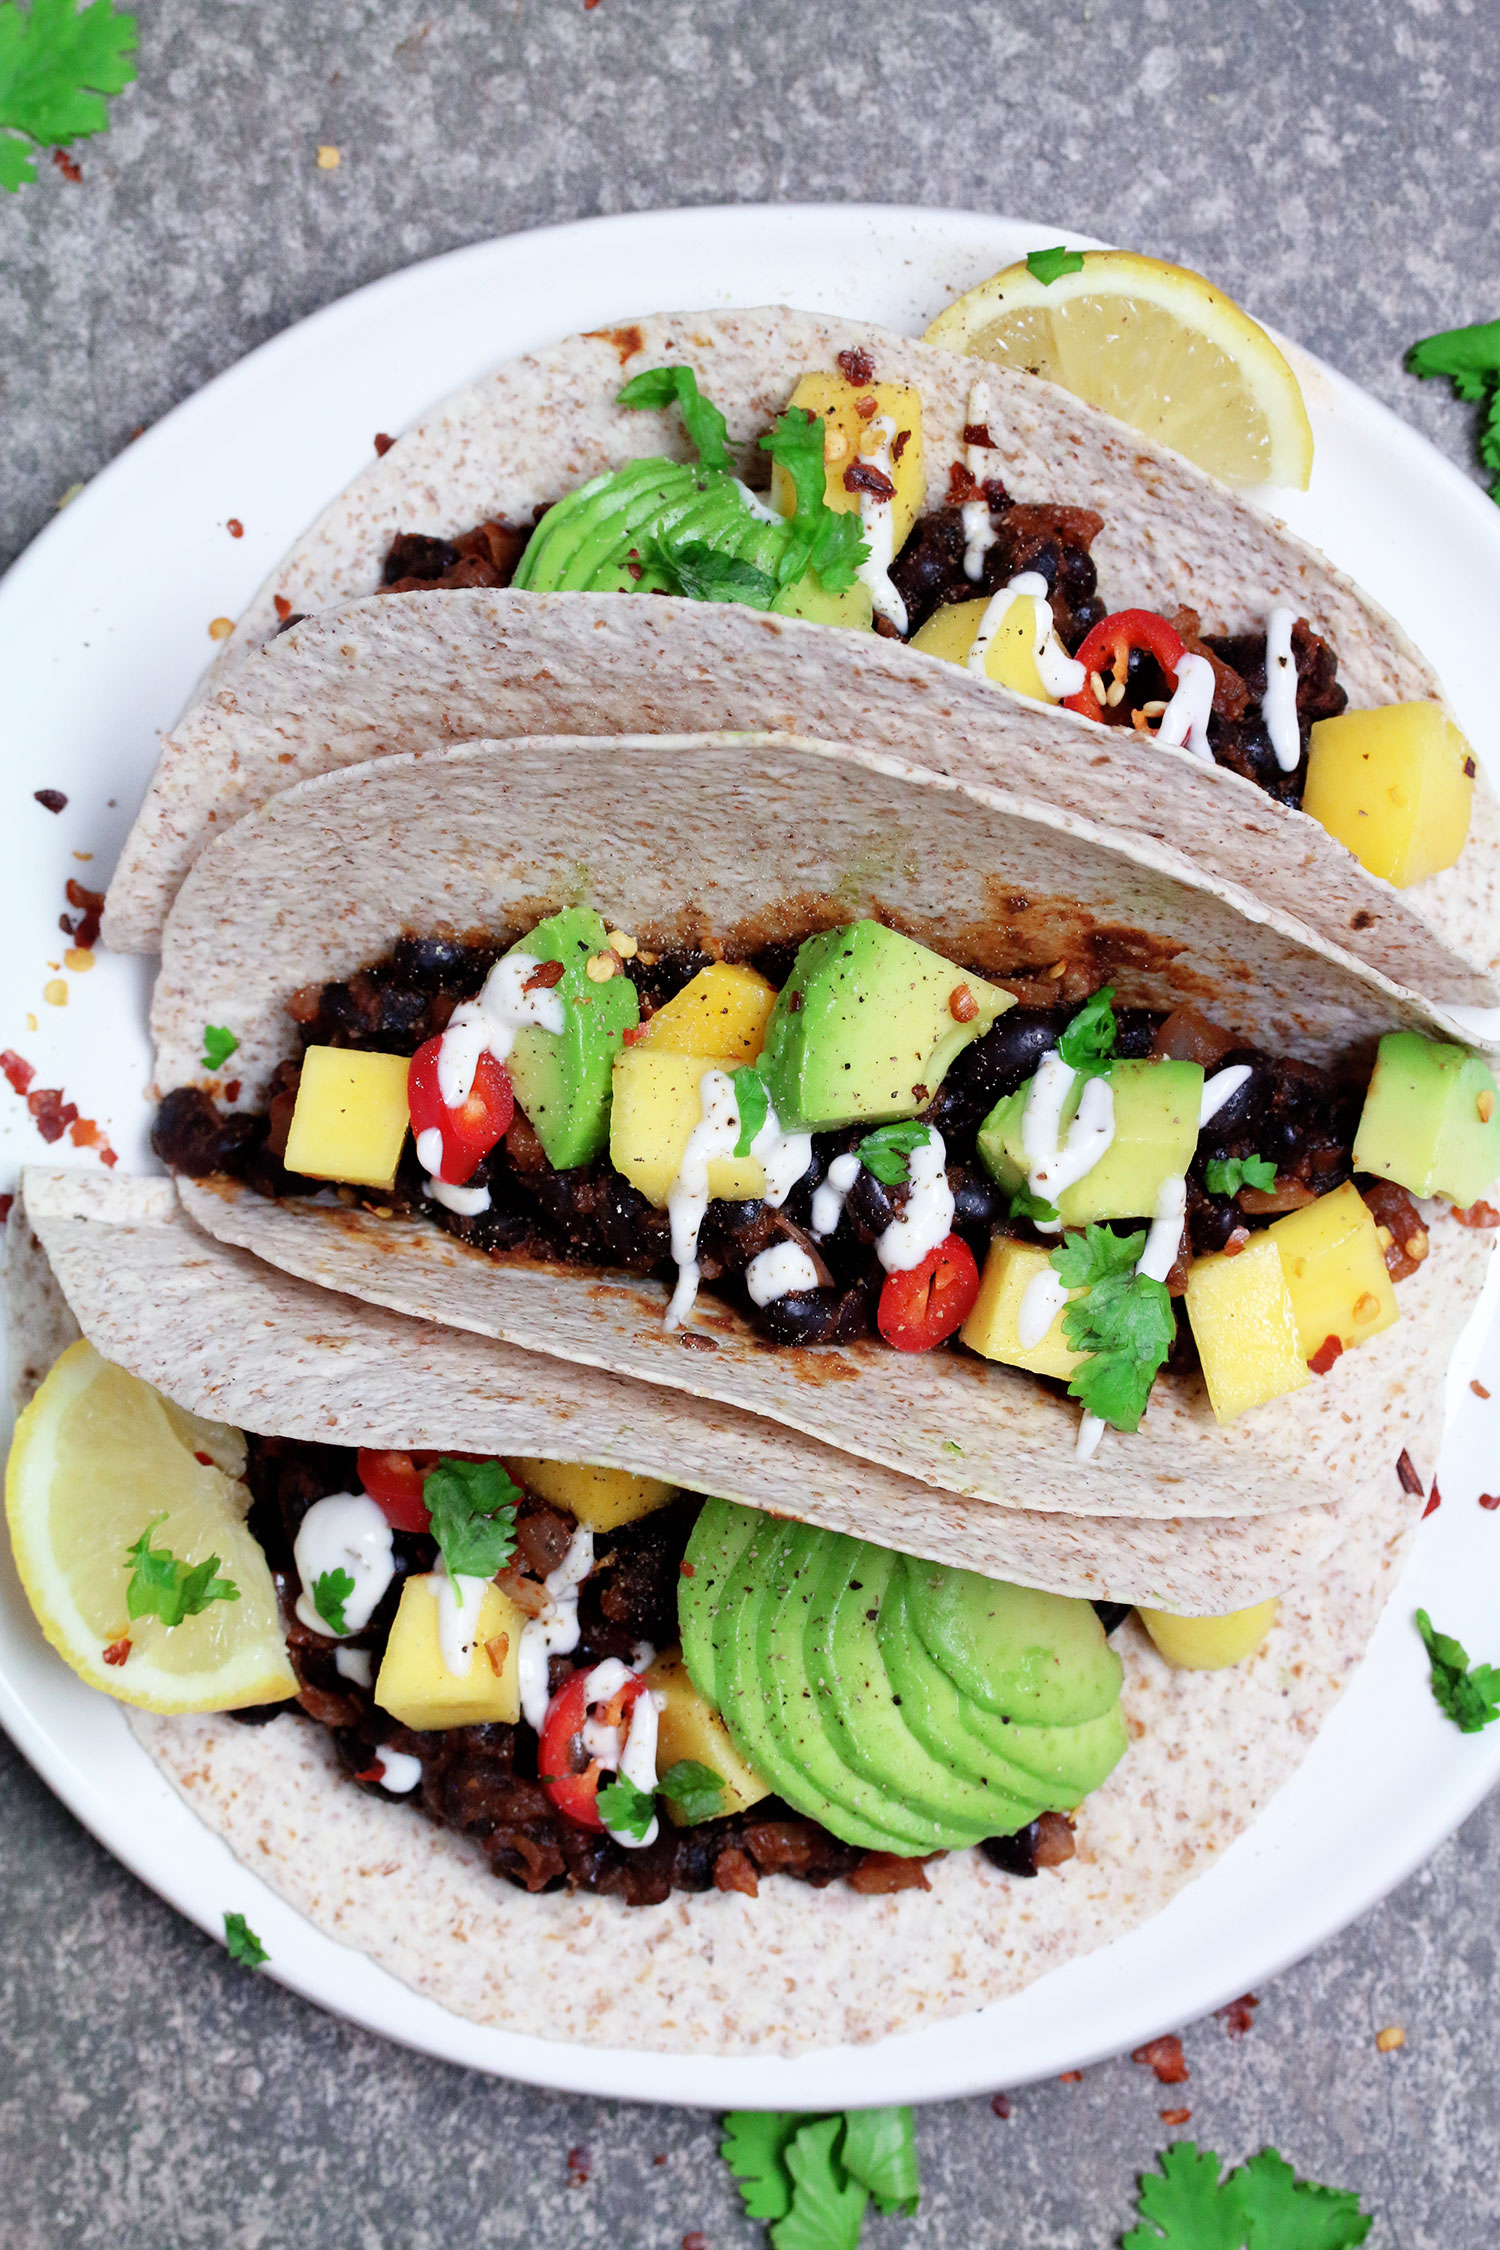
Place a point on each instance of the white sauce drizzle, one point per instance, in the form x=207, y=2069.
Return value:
x=492, y=1022
x=783, y=1157
x=1051, y=1168
x=1278, y=706
x=928, y=1217
x=1184, y=723
x=642, y=1656
x=1042, y=1300
x=756, y=505
x=430, y=1148
x=877, y=514
x=355, y=1664
x=635, y=1759
x=347, y=1532
x=1091, y=1429
x=1221, y=1088
x=468, y=1202
x=781, y=1271
x=556, y=1631
x=831, y=1194
x=459, y=1599
x=979, y=529
x=399, y=1770
x=1059, y=673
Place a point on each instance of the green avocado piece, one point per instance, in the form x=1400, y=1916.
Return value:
x=563, y=1079
x=864, y=1716
x=1156, y=1134
x=852, y=606
x=1041, y=1659
x=718, y=1539
x=1431, y=1120
x=590, y=540
x=863, y=1029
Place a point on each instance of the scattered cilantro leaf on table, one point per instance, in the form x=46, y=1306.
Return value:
x=242, y=1944
x=1261, y=2205
x=1470, y=1698
x=705, y=425
x=753, y=1103
x=827, y=540
x=473, y=1509
x=56, y=65
x=1088, y=1041
x=696, y=1790
x=886, y=1151
x=625, y=1808
x=1226, y=1175
x=163, y=1586
x=704, y=574
x=330, y=1592
x=754, y=2147
x=1124, y=1324
x=880, y=2151
x=812, y=2177
x=1470, y=358
x=828, y=2207
x=1050, y=265
x=218, y=1046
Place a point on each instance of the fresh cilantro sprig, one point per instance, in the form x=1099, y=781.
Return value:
x=1261, y=2205
x=218, y=1046
x=57, y=62
x=1051, y=265
x=887, y=1151
x=473, y=1509
x=242, y=1944
x=813, y=2178
x=703, y=573
x=1469, y=1697
x=696, y=1790
x=1036, y=1208
x=1226, y=1175
x=1470, y=358
x=827, y=540
x=1123, y=1323
x=705, y=425
x=163, y=1586
x=1088, y=1041
x=753, y=1103
x=626, y=1809
x=330, y=1592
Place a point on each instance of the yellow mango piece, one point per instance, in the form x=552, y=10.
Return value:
x=599, y=1498
x=849, y=436
x=690, y=1727
x=1208, y=1644
x=723, y=1010
x=416, y=1686
x=993, y=1326
x=1396, y=785
x=1245, y=1327
x=350, y=1120
x=1336, y=1270
x=1010, y=659
x=655, y=1106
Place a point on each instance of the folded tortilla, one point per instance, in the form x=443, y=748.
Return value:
x=409, y=671
x=736, y=840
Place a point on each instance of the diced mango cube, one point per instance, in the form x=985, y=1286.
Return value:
x=1431, y=1120
x=656, y=1105
x=690, y=1727
x=993, y=1326
x=600, y=1498
x=1335, y=1270
x=723, y=1010
x=350, y=1120
x=1395, y=785
x=1009, y=660
x=1245, y=1326
x=415, y=1684
x=849, y=436
x=1208, y=1644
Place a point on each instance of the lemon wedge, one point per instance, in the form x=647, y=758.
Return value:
x=1155, y=345
x=98, y=1457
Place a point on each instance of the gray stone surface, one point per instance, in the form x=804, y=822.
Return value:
x=1335, y=165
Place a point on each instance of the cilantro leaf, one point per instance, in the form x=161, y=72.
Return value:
x=330, y=1592
x=1471, y=1699
x=56, y=64
x=827, y=2208
x=1186, y=2205
x=1124, y=1324
x=218, y=1046
x=695, y=1790
x=473, y=1509
x=1051, y=265
x=1285, y=2213
x=242, y=1944
x=885, y=1151
x=625, y=1808
x=827, y=540
x=754, y=2147
x=703, y=574
x=162, y=1586
x=1025, y=1205
x=1089, y=1040
x=1470, y=358
x=1259, y=2206
x=1095, y=1255
x=880, y=2151
x=754, y=1105
x=1226, y=1175
x=706, y=427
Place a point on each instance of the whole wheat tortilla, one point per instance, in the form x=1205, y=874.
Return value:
x=780, y=836
x=539, y=426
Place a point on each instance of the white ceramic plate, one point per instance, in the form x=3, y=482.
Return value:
x=103, y=629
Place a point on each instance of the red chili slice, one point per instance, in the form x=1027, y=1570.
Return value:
x=1107, y=652
x=576, y=1794
x=471, y=1130
x=394, y=1482
x=918, y=1309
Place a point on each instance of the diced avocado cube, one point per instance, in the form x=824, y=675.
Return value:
x=1396, y=785
x=1431, y=1120
x=657, y=1103
x=562, y=1078
x=1009, y=660
x=601, y=1499
x=723, y=1010
x=852, y=606
x=847, y=433
x=1208, y=1644
x=350, y=1119
x=415, y=1684
x=1335, y=1270
x=1245, y=1326
x=688, y=1726
x=1156, y=1132
x=866, y=1027
x=993, y=1326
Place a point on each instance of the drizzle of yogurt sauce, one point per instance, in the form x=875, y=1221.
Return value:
x=355, y=1664
x=1221, y=1088
x=1278, y=706
x=783, y=1157
x=1184, y=723
x=556, y=1631
x=348, y=1532
x=831, y=1194
x=927, y=1218
x=399, y=1770
x=756, y=505
x=877, y=514
x=1042, y=1300
x=979, y=530
x=1059, y=673
x=1053, y=1166
x=781, y=1271
x=460, y=1599
x=635, y=1758
x=492, y=1021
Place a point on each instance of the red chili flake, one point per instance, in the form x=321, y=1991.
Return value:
x=635, y=1033
x=1328, y=1351
x=53, y=799
x=5, y=1203
x=282, y=606
x=1239, y=2016
x=53, y=1115
x=66, y=165
x=1477, y=1215
x=1434, y=1502
x=18, y=1071
x=686, y=1570
x=383, y=443
x=856, y=366
x=794, y=1005
x=1477, y=1387
x=977, y=433
x=899, y=444
x=695, y=2240
x=1406, y=1471
x=371, y=1773
x=578, y=2167
x=108, y=1157
x=658, y=2161
x=1490, y=1500
x=82, y=928
x=235, y=528
x=961, y=486
x=544, y=976
x=1071, y=2077
x=231, y=1090
x=116, y=1652
x=206, y=1459
x=1165, y=2057
x=1174, y=2116
x=1000, y=2104
x=863, y=476
x=1470, y=769
x=867, y=407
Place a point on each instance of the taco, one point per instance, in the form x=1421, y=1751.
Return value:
x=943, y=1128
x=607, y=1846
x=1124, y=637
